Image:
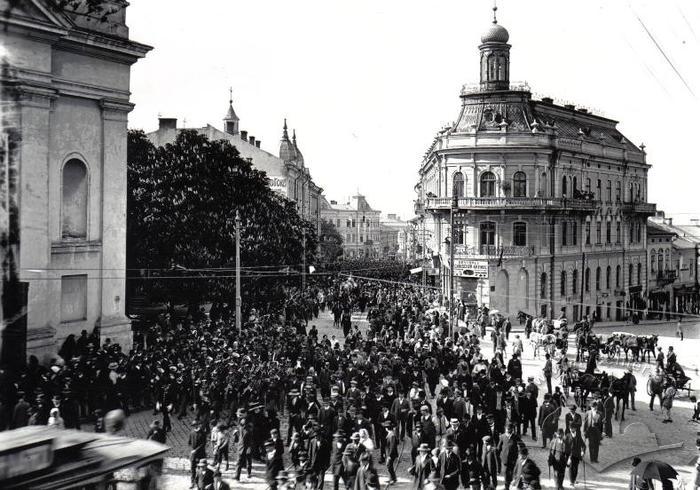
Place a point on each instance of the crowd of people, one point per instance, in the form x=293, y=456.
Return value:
x=354, y=403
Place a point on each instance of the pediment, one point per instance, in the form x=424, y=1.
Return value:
x=34, y=13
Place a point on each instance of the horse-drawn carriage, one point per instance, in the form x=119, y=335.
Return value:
x=672, y=375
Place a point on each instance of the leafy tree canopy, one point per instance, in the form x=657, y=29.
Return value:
x=331, y=242
x=182, y=203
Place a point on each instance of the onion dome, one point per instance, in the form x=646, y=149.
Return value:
x=495, y=33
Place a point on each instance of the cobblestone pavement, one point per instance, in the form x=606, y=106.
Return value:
x=646, y=434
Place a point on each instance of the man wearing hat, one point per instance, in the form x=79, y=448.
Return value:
x=575, y=447
x=631, y=388
x=392, y=449
x=219, y=483
x=449, y=465
x=422, y=467
x=507, y=448
x=156, y=433
x=593, y=430
x=382, y=418
x=366, y=475
x=273, y=463
x=527, y=474
x=198, y=443
x=548, y=419
x=243, y=438
x=350, y=464
x=490, y=464
x=400, y=408
x=294, y=408
x=572, y=418
x=336, y=460
x=204, y=476
x=426, y=422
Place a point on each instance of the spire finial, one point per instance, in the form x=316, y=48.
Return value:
x=495, y=9
x=285, y=135
x=230, y=96
x=294, y=136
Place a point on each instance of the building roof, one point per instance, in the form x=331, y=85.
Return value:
x=495, y=34
x=690, y=232
x=683, y=243
x=231, y=114
x=655, y=228
x=356, y=203
x=288, y=152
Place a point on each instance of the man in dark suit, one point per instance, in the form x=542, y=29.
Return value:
x=548, y=419
x=445, y=402
x=198, y=443
x=527, y=474
x=243, y=438
x=449, y=465
x=507, y=449
x=219, y=483
x=274, y=464
x=593, y=430
x=399, y=409
x=573, y=418
x=336, y=463
x=491, y=464
x=575, y=447
x=379, y=429
x=392, y=449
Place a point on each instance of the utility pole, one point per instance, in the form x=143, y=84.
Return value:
x=238, y=272
x=453, y=207
x=303, y=260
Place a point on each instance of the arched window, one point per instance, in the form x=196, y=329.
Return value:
x=667, y=260
x=608, y=277
x=618, y=276
x=630, y=274
x=564, y=187
x=617, y=191
x=574, y=187
x=519, y=184
x=639, y=233
x=562, y=286
x=74, y=203
x=488, y=184
x=639, y=274
x=597, y=278
x=519, y=234
x=574, y=281
x=487, y=233
x=542, y=191
x=564, y=234
x=587, y=280
x=660, y=261
x=543, y=285
x=458, y=185
x=652, y=262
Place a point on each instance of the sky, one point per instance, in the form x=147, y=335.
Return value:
x=368, y=83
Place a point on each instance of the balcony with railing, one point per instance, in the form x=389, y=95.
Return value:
x=513, y=203
x=494, y=251
x=664, y=278
x=632, y=207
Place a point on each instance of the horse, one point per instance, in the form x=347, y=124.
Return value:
x=590, y=383
x=630, y=344
x=619, y=389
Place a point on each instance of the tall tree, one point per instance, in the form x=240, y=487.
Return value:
x=331, y=242
x=182, y=205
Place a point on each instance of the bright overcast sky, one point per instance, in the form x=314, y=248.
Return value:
x=367, y=83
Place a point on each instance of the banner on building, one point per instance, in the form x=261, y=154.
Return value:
x=416, y=270
x=471, y=268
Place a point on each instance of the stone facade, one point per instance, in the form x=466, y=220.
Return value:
x=287, y=171
x=549, y=203
x=67, y=90
x=393, y=232
x=358, y=225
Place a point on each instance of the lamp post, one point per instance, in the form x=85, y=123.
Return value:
x=238, y=272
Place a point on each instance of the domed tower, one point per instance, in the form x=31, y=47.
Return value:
x=288, y=153
x=231, y=119
x=495, y=57
x=300, y=157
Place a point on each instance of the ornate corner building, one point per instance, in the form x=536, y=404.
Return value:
x=65, y=101
x=547, y=202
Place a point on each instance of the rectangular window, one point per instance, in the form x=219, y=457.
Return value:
x=353, y=223
x=598, y=233
x=73, y=298
x=488, y=233
x=519, y=234
x=618, y=191
x=608, y=190
x=608, y=232
x=564, y=234
x=618, y=232
x=598, y=191
x=588, y=232
x=574, y=233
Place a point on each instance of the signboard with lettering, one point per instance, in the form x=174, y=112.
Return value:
x=471, y=268
x=278, y=184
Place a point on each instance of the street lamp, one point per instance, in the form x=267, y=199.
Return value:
x=238, y=272
x=453, y=209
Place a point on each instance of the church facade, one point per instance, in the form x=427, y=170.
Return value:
x=544, y=204
x=65, y=101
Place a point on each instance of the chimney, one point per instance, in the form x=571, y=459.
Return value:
x=547, y=100
x=257, y=143
x=251, y=140
x=334, y=203
x=391, y=216
x=244, y=135
x=583, y=111
x=167, y=123
x=571, y=107
x=670, y=221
